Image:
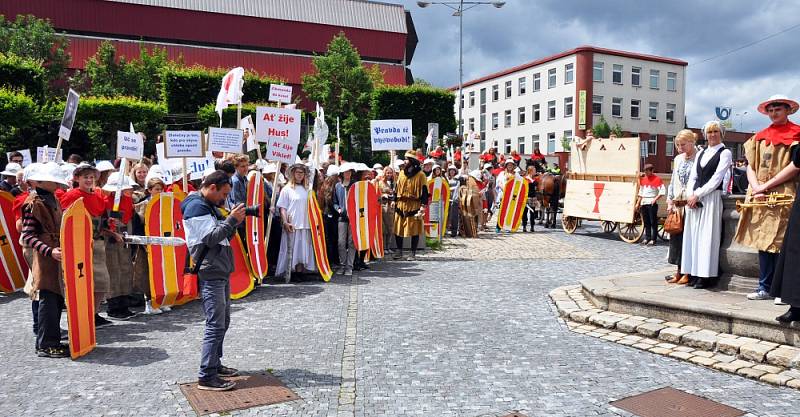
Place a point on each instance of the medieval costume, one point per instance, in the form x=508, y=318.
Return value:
x=469, y=198
x=676, y=194
x=763, y=228
x=118, y=256
x=651, y=188
x=297, y=251
x=412, y=196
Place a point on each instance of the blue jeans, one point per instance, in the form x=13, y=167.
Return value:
x=216, y=298
x=766, y=269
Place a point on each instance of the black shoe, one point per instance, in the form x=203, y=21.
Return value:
x=789, y=316
x=226, y=371
x=99, y=321
x=216, y=384
x=53, y=352
x=121, y=314
x=702, y=283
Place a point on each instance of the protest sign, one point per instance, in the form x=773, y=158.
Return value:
x=51, y=154
x=225, y=140
x=391, y=135
x=172, y=168
x=68, y=120
x=280, y=129
x=26, y=156
x=280, y=93
x=249, y=133
x=184, y=144
x=129, y=145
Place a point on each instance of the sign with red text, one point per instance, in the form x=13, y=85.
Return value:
x=280, y=93
x=280, y=129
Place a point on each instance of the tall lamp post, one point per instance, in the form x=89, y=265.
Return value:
x=459, y=8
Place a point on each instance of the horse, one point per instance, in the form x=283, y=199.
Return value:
x=551, y=189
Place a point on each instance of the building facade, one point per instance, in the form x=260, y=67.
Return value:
x=271, y=37
x=544, y=103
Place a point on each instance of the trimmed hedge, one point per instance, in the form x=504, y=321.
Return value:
x=25, y=73
x=17, y=110
x=186, y=90
x=208, y=117
x=421, y=104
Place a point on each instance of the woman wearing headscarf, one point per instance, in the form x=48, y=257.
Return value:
x=703, y=222
x=297, y=251
x=412, y=197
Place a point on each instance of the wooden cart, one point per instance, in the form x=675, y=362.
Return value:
x=603, y=184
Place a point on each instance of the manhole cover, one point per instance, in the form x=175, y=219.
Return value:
x=251, y=391
x=670, y=402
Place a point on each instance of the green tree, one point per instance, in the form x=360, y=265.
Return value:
x=422, y=82
x=343, y=86
x=617, y=130
x=601, y=129
x=34, y=38
x=108, y=74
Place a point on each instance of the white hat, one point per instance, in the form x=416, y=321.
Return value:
x=398, y=164
x=475, y=174
x=362, y=167
x=269, y=169
x=778, y=98
x=48, y=172
x=377, y=166
x=487, y=166
x=103, y=166
x=68, y=168
x=114, y=182
x=428, y=161
x=332, y=170
x=347, y=166
x=155, y=171
x=11, y=169
x=29, y=169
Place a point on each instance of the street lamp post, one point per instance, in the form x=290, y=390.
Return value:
x=459, y=9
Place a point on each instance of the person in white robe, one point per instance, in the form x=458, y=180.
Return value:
x=297, y=251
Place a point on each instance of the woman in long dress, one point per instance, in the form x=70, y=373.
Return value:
x=676, y=197
x=297, y=252
x=703, y=222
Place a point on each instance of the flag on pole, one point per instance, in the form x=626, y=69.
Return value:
x=231, y=91
x=450, y=153
x=429, y=140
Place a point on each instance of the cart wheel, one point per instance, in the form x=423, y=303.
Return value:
x=663, y=233
x=608, y=226
x=569, y=223
x=632, y=232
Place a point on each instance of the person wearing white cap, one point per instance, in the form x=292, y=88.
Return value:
x=427, y=166
x=764, y=228
x=118, y=256
x=41, y=224
x=9, y=182
x=297, y=251
x=105, y=168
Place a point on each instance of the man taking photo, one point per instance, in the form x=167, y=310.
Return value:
x=208, y=236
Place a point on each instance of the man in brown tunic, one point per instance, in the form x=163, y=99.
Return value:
x=763, y=227
x=412, y=196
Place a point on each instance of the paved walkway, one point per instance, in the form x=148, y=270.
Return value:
x=429, y=338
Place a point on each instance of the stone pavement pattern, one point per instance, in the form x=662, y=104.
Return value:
x=433, y=338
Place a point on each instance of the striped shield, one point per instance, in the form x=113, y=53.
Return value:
x=76, y=262
x=318, y=237
x=14, y=267
x=515, y=195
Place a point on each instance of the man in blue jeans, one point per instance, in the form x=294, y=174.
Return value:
x=208, y=236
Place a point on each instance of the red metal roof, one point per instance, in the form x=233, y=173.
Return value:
x=287, y=67
x=585, y=48
x=133, y=21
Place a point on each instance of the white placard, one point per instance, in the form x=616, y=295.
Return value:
x=26, y=156
x=51, y=154
x=225, y=140
x=129, y=145
x=280, y=93
x=280, y=129
x=391, y=135
x=68, y=120
x=184, y=144
x=250, y=133
x=172, y=168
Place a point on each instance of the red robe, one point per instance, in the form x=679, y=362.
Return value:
x=786, y=134
x=95, y=201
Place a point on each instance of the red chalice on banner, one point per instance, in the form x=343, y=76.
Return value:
x=598, y=191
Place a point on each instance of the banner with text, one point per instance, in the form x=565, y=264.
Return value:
x=172, y=168
x=129, y=145
x=184, y=144
x=225, y=140
x=280, y=129
x=390, y=135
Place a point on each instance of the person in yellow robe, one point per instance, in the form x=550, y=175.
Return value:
x=412, y=197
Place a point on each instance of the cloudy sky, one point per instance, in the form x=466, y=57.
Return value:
x=694, y=31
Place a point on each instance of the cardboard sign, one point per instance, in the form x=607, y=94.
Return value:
x=26, y=156
x=249, y=133
x=280, y=129
x=51, y=154
x=280, y=93
x=68, y=120
x=225, y=140
x=391, y=135
x=129, y=145
x=184, y=144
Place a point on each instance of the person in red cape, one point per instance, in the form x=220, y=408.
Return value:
x=85, y=176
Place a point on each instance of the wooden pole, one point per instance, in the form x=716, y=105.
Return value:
x=185, y=179
x=336, y=154
x=58, y=148
x=272, y=204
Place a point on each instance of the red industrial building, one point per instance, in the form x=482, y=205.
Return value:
x=272, y=37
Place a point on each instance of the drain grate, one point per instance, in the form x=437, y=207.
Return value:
x=670, y=402
x=251, y=391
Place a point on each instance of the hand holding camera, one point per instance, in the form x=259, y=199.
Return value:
x=238, y=212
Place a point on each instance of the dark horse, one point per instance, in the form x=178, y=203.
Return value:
x=551, y=189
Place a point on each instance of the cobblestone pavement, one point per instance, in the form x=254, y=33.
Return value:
x=436, y=338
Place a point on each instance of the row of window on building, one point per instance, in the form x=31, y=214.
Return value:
x=569, y=76
x=649, y=147
x=597, y=109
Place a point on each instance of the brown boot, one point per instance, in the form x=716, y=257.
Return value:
x=684, y=280
x=675, y=279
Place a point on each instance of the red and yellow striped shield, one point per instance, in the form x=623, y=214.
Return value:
x=13, y=266
x=362, y=199
x=377, y=219
x=76, y=262
x=515, y=196
x=439, y=199
x=318, y=237
x=163, y=218
x=255, y=227
x=241, y=280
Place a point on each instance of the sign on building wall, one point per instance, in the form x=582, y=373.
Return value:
x=582, y=109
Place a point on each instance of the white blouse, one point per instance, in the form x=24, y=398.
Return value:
x=725, y=161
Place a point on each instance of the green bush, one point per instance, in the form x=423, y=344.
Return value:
x=25, y=73
x=186, y=90
x=419, y=103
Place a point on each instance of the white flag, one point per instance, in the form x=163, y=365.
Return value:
x=231, y=91
x=429, y=140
